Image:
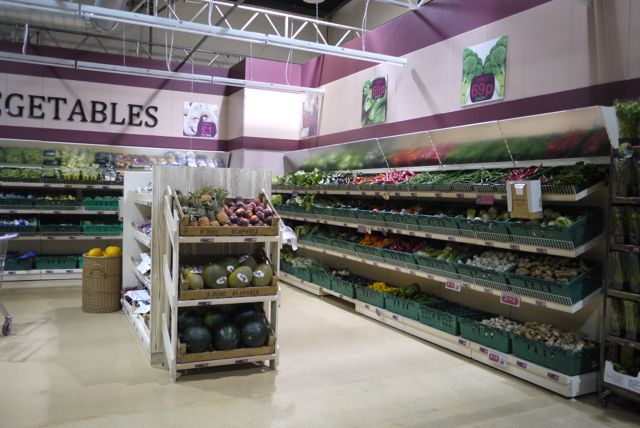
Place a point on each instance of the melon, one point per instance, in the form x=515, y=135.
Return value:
x=248, y=261
x=230, y=264
x=240, y=277
x=226, y=337
x=245, y=315
x=95, y=252
x=194, y=280
x=188, y=319
x=214, y=319
x=198, y=339
x=254, y=334
x=262, y=275
x=112, y=251
x=215, y=276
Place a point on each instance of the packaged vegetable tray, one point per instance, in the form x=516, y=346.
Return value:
x=571, y=363
x=372, y=297
x=400, y=219
x=578, y=288
x=492, y=337
x=446, y=316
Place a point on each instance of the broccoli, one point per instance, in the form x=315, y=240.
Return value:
x=471, y=67
x=495, y=62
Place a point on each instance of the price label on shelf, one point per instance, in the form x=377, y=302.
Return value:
x=510, y=300
x=484, y=200
x=438, y=195
x=489, y=243
x=521, y=364
x=453, y=285
x=207, y=240
x=541, y=303
x=72, y=238
x=514, y=247
x=498, y=359
x=553, y=376
x=396, y=194
x=451, y=238
x=541, y=250
x=460, y=195
x=251, y=239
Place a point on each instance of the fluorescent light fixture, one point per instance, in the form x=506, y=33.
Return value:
x=93, y=12
x=39, y=60
x=146, y=72
x=201, y=78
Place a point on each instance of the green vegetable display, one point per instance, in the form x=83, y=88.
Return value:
x=628, y=114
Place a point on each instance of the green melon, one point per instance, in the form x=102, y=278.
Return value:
x=262, y=275
x=194, y=281
x=248, y=261
x=230, y=264
x=197, y=339
x=214, y=319
x=254, y=334
x=240, y=277
x=226, y=337
x=245, y=315
x=188, y=319
x=215, y=276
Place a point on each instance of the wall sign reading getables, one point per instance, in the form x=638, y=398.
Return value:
x=70, y=110
x=484, y=68
x=374, y=101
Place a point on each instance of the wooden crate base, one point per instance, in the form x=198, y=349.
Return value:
x=222, y=293
x=183, y=357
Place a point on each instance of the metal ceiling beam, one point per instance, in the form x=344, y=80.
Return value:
x=87, y=12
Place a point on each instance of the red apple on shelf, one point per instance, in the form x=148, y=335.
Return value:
x=254, y=219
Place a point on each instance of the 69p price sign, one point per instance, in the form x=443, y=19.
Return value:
x=484, y=71
x=482, y=87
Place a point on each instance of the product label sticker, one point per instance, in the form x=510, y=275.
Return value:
x=510, y=300
x=498, y=359
x=453, y=285
x=221, y=280
x=484, y=200
x=258, y=274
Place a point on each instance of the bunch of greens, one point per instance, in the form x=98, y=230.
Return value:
x=303, y=201
x=300, y=178
x=628, y=114
x=580, y=173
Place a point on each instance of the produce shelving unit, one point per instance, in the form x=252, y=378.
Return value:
x=170, y=248
x=613, y=347
x=479, y=293
x=134, y=243
x=508, y=242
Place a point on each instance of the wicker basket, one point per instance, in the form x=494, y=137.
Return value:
x=101, y=284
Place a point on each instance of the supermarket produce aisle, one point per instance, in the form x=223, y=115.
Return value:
x=68, y=368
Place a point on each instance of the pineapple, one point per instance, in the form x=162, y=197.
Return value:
x=222, y=218
x=204, y=221
x=206, y=198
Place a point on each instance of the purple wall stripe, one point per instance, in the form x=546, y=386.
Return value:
x=603, y=94
x=437, y=21
x=92, y=137
x=258, y=143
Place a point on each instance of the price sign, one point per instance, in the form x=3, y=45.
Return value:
x=515, y=247
x=253, y=239
x=521, y=364
x=207, y=240
x=453, y=286
x=484, y=200
x=510, y=300
x=541, y=250
x=482, y=87
x=378, y=88
x=553, y=376
x=498, y=359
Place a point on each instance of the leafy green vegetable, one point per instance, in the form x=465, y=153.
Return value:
x=628, y=114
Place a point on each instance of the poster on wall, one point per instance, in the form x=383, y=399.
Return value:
x=200, y=120
x=374, y=101
x=310, y=115
x=484, y=69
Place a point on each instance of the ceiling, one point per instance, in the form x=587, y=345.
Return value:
x=326, y=8
x=132, y=40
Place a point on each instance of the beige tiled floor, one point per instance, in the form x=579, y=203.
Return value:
x=337, y=369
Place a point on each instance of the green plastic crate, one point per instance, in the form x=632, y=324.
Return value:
x=344, y=245
x=18, y=203
x=482, y=273
x=102, y=229
x=56, y=204
x=406, y=307
x=401, y=219
x=30, y=229
x=80, y=261
x=92, y=204
x=368, y=250
x=555, y=358
x=434, y=263
x=367, y=215
x=492, y=337
x=343, y=287
x=60, y=228
x=370, y=296
x=576, y=289
x=578, y=233
x=349, y=213
x=397, y=256
x=15, y=264
x=56, y=262
x=302, y=273
x=446, y=316
x=285, y=266
x=323, y=279
x=489, y=226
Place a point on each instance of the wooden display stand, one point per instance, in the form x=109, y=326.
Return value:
x=170, y=245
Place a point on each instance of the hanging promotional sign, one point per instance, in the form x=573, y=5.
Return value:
x=374, y=101
x=310, y=116
x=484, y=70
x=199, y=119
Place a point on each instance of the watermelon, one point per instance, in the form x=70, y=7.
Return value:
x=254, y=334
x=188, y=319
x=248, y=261
x=246, y=314
x=197, y=339
x=226, y=337
x=214, y=319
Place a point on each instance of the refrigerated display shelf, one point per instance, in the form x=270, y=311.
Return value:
x=39, y=274
x=64, y=212
x=68, y=237
x=531, y=245
x=506, y=293
x=61, y=185
x=498, y=193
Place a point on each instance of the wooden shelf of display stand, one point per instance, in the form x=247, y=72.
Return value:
x=628, y=295
x=624, y=342
x=450, y=238
x=454, y=283
x=79, y=211
x=567, y=386
x=68, y=237
x=386, y=194
x=141, y=237
x=138, y=325
x=620, y=200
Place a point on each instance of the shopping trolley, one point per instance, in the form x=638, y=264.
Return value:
x=4, y=242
